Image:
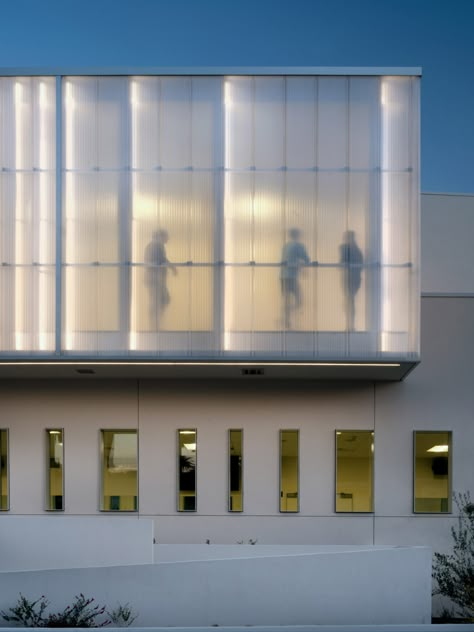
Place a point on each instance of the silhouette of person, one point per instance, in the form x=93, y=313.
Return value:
x=156, y=275
x=350, y=256
x=293, y=256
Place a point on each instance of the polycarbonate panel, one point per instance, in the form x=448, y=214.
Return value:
x=27, y=213
x=333, y=123
x=242, y=217
x=95, y=123
x=269, y=123
x=239, y=96
x=92, y=308
x=301, y=98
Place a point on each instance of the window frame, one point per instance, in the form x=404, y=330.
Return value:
x=450, y=475
x=48, y=507
x=338, y=432
x=229, y=468
x=101, y=472
x=280, y=462
x=178, y=471
x=6, y=434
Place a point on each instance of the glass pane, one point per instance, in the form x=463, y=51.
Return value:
x=55, y=469
x=289, y=471
x=354, y=471
x=432, y=472
x=187, y=459
x=119, y=470
x=4, y=487
x=236, y=495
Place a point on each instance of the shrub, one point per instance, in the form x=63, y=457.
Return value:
x=122, y=616
x=454, y=573
x=80, y=614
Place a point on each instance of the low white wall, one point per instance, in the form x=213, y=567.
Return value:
x=53, y=542
x=384, y=585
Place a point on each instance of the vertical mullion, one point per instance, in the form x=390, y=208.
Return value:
x=58, y=266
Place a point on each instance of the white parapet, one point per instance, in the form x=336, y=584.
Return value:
x=279, y=586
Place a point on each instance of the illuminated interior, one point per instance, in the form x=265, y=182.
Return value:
x=354, y=471
x=432, y=472
x=187, y=467
x=236, y=491
x=4, y=486
x=55, y=469
x=211, y=217
x=289, y=471
x=119, y=470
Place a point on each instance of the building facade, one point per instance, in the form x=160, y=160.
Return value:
x=211, y=307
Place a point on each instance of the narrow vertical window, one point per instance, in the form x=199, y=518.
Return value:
x=55, y=469
x=119, y=470
x=236, y=498
x=4, y=486
x=289, y=471
x=187, y=455
x=432, y=472
x=354, y=471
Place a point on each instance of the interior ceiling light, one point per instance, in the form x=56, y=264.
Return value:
x=439, y=448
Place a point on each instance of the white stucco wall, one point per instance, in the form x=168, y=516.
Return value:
x=49, y=542
x=447, y=253
x=350, y=587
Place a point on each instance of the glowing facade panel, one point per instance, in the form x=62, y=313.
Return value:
x=211, y=217
x=27, y=214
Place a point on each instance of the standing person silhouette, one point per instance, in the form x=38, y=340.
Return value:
x=350, y=256
x=293, y=256
x=156, y=275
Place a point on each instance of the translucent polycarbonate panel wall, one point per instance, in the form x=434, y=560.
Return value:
x=27, y=213
x=141, y=167
x=263, y=217
x=321, y=216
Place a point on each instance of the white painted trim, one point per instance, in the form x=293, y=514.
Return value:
x=215, y=70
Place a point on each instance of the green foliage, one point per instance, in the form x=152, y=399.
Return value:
x=82, y=613
x=454, y=573
x=122, y=616
x=27, y=613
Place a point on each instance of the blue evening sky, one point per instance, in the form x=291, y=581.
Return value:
x=434, y=34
